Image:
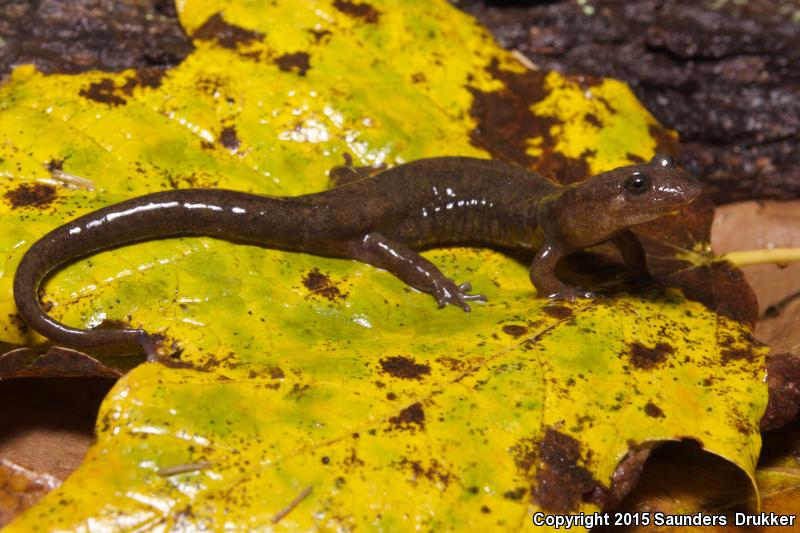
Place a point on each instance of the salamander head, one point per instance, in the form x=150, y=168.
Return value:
x=640, y=193
x=615, y=200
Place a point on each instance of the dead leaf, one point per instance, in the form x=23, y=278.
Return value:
x=764, y=225
x=46, y=427
x=683, y=480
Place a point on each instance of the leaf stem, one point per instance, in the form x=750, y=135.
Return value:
x=778, y=256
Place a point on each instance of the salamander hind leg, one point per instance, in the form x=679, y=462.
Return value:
x=148, y=345
x=379, y=251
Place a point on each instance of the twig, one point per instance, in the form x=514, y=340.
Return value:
x=280, y=515
x=182, y=469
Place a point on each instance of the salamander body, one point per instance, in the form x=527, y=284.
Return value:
x=380, y=220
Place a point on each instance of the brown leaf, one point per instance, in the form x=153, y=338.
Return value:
x=762, y=225
x=44, y=437
x=56, y=362
x=680, y=479
x=20, y=488
x=759, y=225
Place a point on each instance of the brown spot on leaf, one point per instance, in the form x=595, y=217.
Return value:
x=352, y=460
x=410, y=418
x=226, y=35
x=737, y=354
x=592, y=119
x=55, y=164
x=36, y=195
x=666, y=142
x=567, y=170
x=560, y=482
x=215, y=362
x=404, y=367
x=321, y=285
x=501, y=129
x=414, y=466
x=149, y=77
x=455, y=364
x=653, y=410
x=17, y=323
x=505, y=125
x=296, y=62
x=320, y=35
x=524, y=455
x=743, y=424
x=648, y=358
x=516, y=494
x=114, y=324
x=228, y=138
x=104, y=92
x=299, y=390
x=358, y=10
x=558, y=311
x=435, y=473
x=515, y=330
x=143, y=77
x=731, y=352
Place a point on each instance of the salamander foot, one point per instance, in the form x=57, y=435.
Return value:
x=571, y=294
x=447, y=292
x=148, y=346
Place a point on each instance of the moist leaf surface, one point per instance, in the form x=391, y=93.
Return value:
x=297, y=378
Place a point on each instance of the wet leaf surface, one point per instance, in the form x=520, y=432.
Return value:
x=322, y=382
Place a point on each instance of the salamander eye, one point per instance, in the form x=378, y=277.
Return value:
x=638, y=183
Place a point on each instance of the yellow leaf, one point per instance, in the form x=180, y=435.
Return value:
x=314, y=392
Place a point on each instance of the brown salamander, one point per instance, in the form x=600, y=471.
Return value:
x=380, y=220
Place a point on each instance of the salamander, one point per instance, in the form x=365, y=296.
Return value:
x=380, y=220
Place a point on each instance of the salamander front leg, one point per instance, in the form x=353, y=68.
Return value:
x=379, y=251
x=543, y=275
x=633, y=254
